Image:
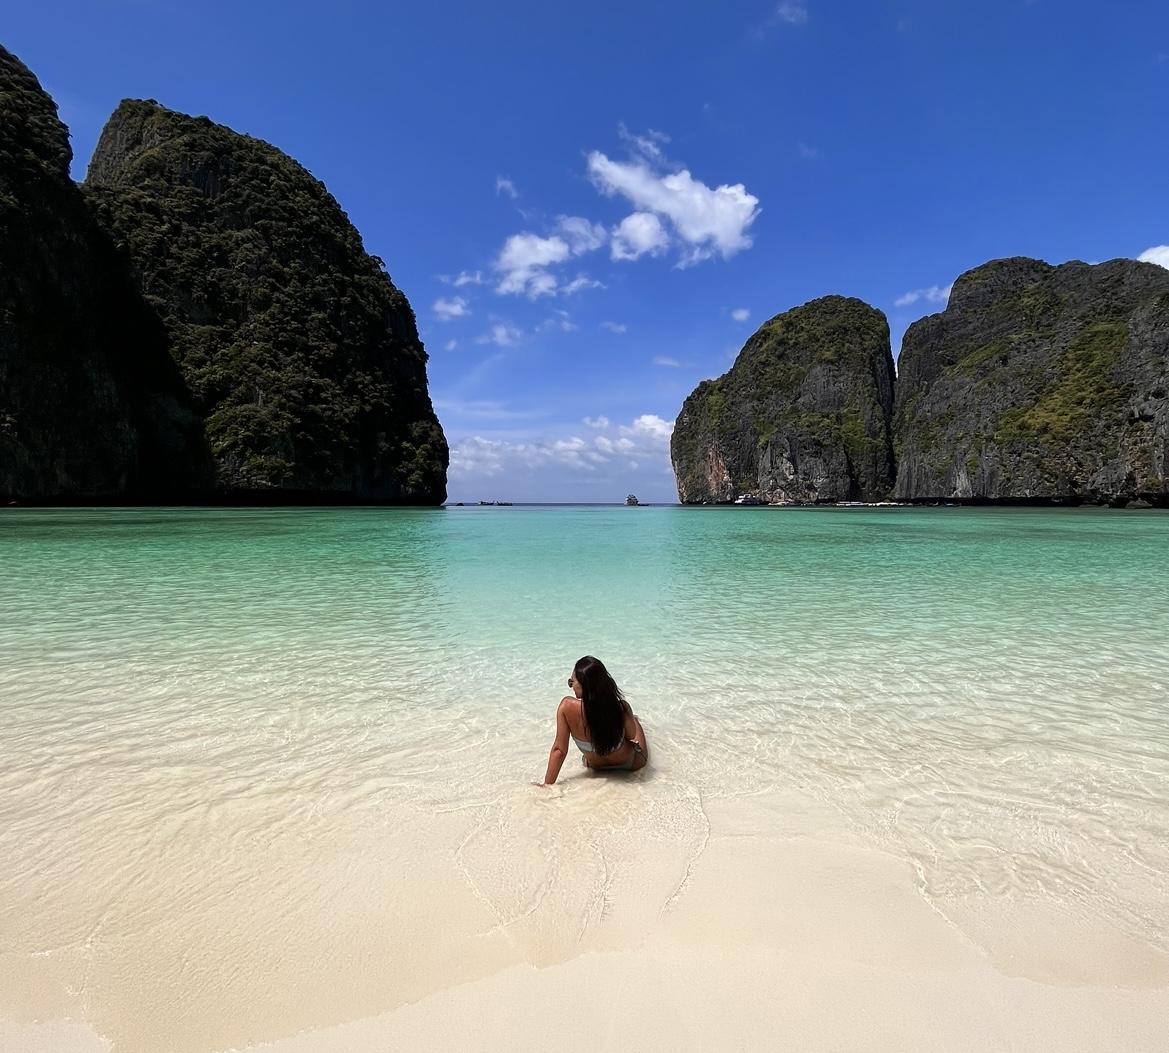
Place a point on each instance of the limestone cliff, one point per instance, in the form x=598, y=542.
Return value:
x=802, y=416
x=301, y=354
x=92, y=407
x=1039, y=382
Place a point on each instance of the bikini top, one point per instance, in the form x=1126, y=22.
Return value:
x=587, y=747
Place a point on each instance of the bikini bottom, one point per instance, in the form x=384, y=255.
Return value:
x=638, y=752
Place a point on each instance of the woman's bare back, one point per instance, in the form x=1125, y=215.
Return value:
x=632, y=754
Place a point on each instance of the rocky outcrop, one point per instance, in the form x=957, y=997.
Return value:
x=802, y=416
x=302, y=356
x=1038, y=382
x=92, y=407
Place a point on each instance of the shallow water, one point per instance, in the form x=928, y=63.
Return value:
x=186, y=692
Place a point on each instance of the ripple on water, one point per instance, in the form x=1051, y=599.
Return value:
x=978, y=691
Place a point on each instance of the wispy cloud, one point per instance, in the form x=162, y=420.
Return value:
x=467, y=278
x=808, y=152
x=792, y=12
x=615, y=327
x=741, y=314
x=485, y=410
x=502, y=335
x=666, y=360
x=561, y=321
x=934, y=294
x=596, y=422
x=503, y=185
x=450, y=345
x=581, y=234
x=455, y=307
x=578, y=284
x=648, y=144
x=1158, y=254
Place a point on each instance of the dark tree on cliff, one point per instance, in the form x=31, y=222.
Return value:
x=302, y=355
x=91, y=405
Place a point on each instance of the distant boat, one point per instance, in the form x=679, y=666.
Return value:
x=632, y=500
x=747, y=499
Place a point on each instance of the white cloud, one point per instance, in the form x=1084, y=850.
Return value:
x=646, y=438
x=707, y=220
x=792, y=12
x=596, y=422
x=479, y=456
x=638, y=234
x=665, y=360
x=455, y=307
x=741, y=314
x=501, y=334
x=523, y=261
x=503, y=185
x=615, y=327
x=652, y=426
x=451, y=345
x=1158, y=254
x=581, y=234
x=467, y=278
x=934, y=294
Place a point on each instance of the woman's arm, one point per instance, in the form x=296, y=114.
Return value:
x=559, y=747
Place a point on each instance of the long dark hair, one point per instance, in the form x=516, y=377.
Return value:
x=604, y=705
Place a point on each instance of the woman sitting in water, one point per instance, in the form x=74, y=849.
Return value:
x=600, y=722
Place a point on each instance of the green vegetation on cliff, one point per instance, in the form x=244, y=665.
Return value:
x=301, y=354
x=1084, y=391
x=1038, y=383
x=802, y=416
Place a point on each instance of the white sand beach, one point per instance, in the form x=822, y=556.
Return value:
x=764, y=935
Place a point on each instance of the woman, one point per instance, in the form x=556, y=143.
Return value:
x=600, y=722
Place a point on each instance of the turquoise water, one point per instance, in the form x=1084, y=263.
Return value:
x=982, y=692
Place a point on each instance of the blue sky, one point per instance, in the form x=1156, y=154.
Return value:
x=591, y=207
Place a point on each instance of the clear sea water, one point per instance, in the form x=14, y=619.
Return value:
x=983, y=692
